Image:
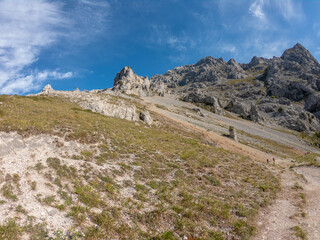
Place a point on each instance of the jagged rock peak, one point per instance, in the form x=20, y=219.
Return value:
x=299, y=54
x=47, y=89
x=232, y=61
x=256, y=61
x=235, y=65
x=210, y=61
x=125, y=72
x=128, y=82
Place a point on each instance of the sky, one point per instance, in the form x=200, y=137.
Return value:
x=84, y=43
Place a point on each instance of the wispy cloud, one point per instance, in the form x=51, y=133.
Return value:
x=289, y=9
x=161, y=35
x=264, y=9
x=34, y=81
x=267, y=48
x=178, y=42
x=230, y=48
x=256, y=9
x=87, y=19
x=28, y=27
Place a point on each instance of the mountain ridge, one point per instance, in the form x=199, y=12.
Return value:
x=281, y=90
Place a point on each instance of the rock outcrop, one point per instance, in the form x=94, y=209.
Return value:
x=126, y=81
x=108, y=105
x=198, y=96
x=282, y=90
x=145, y=117
x=233, y=133
x=47, y=90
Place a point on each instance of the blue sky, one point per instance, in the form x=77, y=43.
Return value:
x=84, y=43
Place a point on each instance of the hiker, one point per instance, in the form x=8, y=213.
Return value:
x=274, y=161
x=267, y=160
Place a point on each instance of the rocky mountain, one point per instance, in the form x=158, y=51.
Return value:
x=282, y=90
x=133, y=162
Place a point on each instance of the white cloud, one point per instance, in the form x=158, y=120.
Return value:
x=256, y=9
x=27, y=27
x=288, y=9
x=24, y=84
x=41, y=76
x=229, y=48
x=163, y=36
x=178, y=42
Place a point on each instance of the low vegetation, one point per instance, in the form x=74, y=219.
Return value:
x=300, y=233
x=141, y=182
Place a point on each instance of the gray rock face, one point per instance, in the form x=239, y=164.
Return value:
x=101, y=103
x=258, y=90
x=255, y=115
x=145, y=117
x=207, y=69
x=126, y=81
x=199, y=96
x=47, y=89
x=301, y=56
x=238, y=108
x=159, y=88
x=104, y=107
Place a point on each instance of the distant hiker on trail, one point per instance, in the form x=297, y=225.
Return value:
x=267, y=160
x=274, y=161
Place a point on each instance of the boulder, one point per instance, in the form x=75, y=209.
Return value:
x=233, y=133
x=198, y=96
x=238, y=107
x=145, y=117
x=199, y=112
x=254, y=114
x=313, y=103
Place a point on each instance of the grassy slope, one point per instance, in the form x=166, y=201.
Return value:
x=183, y=186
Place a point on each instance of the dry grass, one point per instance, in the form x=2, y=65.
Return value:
x=181, y=186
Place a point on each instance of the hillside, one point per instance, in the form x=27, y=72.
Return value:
x=154, y=159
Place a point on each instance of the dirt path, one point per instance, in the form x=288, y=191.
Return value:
x=312, y=191
x=223, y=142
x=290, y=209
x=276, y=221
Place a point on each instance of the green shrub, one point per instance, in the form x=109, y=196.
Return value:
x=280, y=109
x=11, y=230
x=317, y=134
x=299, y=232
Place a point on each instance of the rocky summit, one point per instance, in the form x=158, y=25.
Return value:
x=282, y=91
